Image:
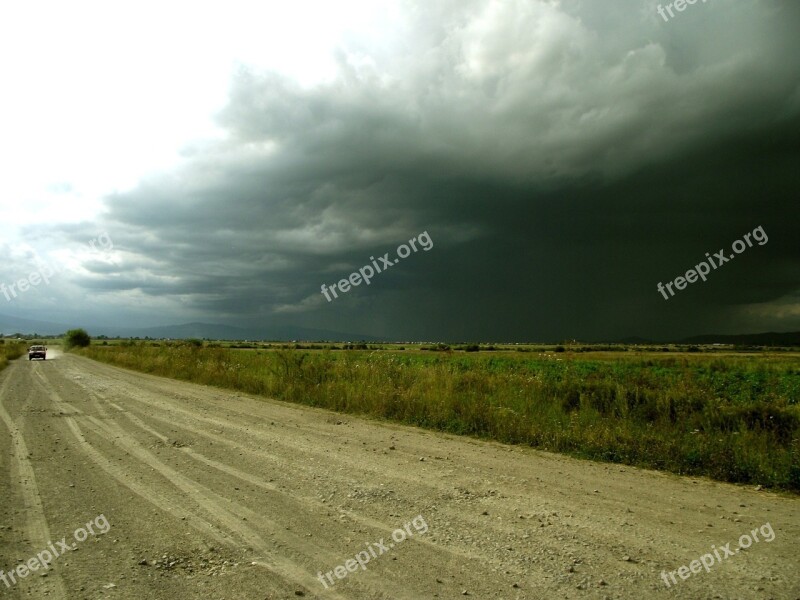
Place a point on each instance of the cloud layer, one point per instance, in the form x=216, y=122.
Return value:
x=565, y=157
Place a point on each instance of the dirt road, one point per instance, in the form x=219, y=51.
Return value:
x=210, y=494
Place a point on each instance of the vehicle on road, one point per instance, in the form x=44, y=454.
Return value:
x=37, y=352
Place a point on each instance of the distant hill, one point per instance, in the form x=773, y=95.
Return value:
x=636, y=340
x=216, y=331
x=226, y=332
x=211, y=331
x=10, y=325
x=791, y=338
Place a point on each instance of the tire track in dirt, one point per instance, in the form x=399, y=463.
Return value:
x=316, y=551
x=229, y=515
x=159, y=500
x=36, y=526
x=312, y=506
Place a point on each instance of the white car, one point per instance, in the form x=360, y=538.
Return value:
x=37, y=352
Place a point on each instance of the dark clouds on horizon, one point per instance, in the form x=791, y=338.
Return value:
x=564, y=158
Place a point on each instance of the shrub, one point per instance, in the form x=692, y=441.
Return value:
x=76, y=338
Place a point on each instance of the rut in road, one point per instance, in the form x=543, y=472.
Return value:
x=222, y=514
x=37, y=531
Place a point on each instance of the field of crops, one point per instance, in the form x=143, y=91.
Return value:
x=730, y=417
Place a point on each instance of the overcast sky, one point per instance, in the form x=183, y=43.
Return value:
x=564, y=157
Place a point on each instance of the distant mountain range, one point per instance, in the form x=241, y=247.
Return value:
x=212, y=331
x=227, y=332
x=790, y=338
x=9, y=325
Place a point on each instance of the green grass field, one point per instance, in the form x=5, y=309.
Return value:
x=731, y=417
x=9, y=350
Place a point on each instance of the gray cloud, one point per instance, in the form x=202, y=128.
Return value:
x=564, y=157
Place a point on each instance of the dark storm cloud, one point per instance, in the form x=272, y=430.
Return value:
x=564, y=158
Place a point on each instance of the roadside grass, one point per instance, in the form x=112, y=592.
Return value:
x=733, y=418
x=9, y=351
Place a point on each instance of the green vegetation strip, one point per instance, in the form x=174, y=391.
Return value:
x=9, y=351
x=732, y=418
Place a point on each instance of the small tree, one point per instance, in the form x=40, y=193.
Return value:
x=76, y=338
